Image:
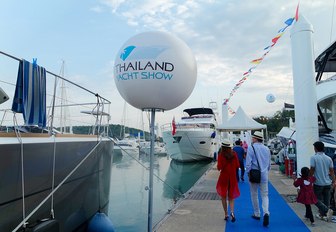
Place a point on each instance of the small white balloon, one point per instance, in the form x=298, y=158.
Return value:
x=270, y=98
x=155, y=70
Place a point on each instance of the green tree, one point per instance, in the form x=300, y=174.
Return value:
x=277, y=121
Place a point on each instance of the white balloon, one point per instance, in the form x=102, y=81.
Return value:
x=270, y=98
x=155, y=70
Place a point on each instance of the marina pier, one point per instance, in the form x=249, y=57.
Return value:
x=202, y=210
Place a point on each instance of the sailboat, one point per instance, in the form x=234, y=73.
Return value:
x=159, y=147
x=51, y=180
x=127, y=145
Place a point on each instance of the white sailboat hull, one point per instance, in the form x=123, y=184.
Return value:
x=127, y=146
x=125, y=151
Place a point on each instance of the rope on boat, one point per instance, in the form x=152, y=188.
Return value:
x=53, y=179
x=18, y=136
x=55, y=75
x=22, y=223
x=3, y=117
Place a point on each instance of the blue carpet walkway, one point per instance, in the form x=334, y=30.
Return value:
x=282, y=217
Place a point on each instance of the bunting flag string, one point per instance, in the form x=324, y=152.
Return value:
x=267, y=49
x=231, y=111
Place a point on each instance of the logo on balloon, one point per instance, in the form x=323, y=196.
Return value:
x=127, y=51
x=155, y=70
x=139, y=64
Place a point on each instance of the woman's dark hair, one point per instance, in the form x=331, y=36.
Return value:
x=304, y=172
x=227, y=152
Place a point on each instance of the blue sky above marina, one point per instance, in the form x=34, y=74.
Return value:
x=224, y=35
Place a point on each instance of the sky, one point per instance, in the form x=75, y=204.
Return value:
x=224, y=36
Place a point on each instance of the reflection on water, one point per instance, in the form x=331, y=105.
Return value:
x=128, y=198
x=181, y=177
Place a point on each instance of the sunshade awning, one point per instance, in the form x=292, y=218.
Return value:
x=240, y=122
x=194, y=111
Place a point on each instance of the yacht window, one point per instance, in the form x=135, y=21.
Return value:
x=183, y=126
x=202, y=142
x=328, y=108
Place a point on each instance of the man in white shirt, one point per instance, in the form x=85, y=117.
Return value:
x=259, y=157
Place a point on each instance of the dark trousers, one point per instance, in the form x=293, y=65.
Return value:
x=242, y=170
x=309, y=213
x=323, y=196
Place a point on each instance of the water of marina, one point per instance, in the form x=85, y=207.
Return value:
x=128, y=205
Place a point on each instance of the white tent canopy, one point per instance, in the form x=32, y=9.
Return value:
x=287, y=133
x=240, y=122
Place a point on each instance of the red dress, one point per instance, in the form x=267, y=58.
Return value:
x=227, y=183
x=306, y=194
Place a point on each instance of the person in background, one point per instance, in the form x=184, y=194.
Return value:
x=334, y=162
x=306, y=193
x=227, y=184
x=241, y=156
x=321, y=166
x=333, y=189
x=259, y=151
x=245, y=145
x=333, y=218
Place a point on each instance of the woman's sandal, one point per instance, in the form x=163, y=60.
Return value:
x=233, y=218
x=226, y=217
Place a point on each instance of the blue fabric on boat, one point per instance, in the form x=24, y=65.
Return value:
x=30, y=94
x=282, y=217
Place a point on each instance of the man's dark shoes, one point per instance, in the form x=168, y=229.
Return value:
x=266, y=220
x=255, y=217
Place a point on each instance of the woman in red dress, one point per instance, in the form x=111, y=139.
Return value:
x=306, y=193
x=227, y=184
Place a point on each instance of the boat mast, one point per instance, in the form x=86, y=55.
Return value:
x=64, y=109
x=123, y=121
x=62, y=129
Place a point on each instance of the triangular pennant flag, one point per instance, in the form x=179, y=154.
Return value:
x=275, y=39
x=256, y=61
x=289, y=21
x=297, y=12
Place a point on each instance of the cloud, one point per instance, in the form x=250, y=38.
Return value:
x=113, y=4
x=225, y=36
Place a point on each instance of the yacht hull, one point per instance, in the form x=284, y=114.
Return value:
x=190, y=146
x=84, y=193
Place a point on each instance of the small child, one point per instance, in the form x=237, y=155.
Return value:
x=306, y=194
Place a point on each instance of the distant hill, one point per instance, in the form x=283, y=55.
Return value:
x=115, y=131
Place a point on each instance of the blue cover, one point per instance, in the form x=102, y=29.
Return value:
x=30, y=94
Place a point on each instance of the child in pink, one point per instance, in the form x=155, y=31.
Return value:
x=306, y=193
